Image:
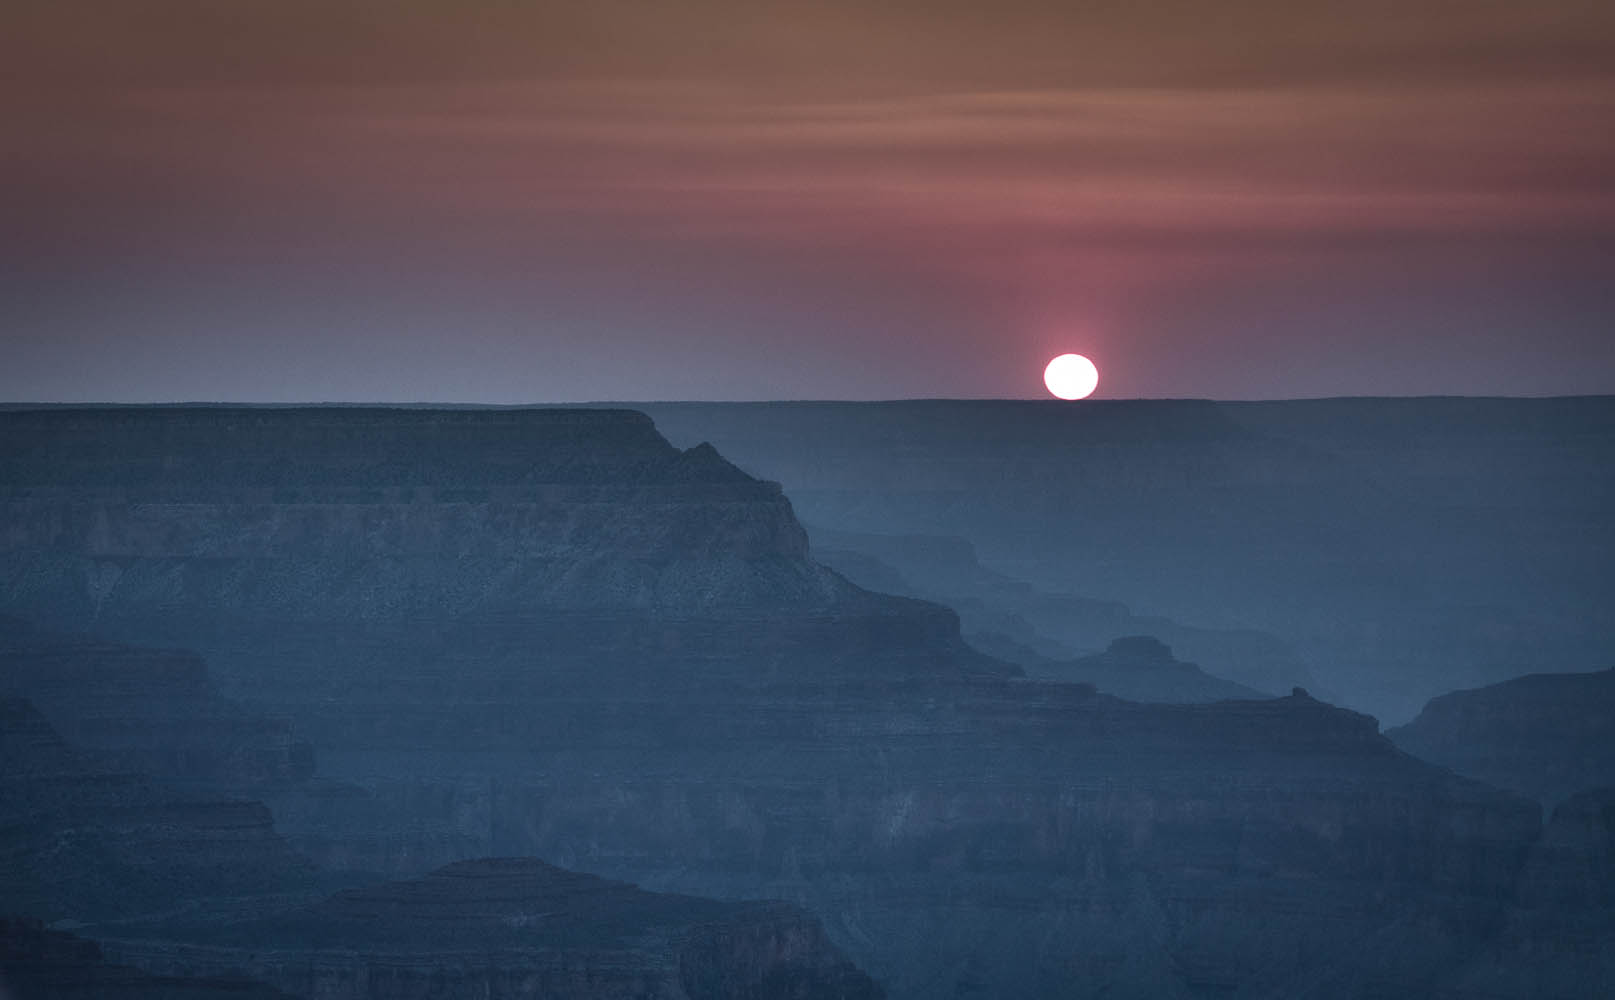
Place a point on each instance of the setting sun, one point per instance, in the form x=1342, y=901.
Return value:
x=1071, y=376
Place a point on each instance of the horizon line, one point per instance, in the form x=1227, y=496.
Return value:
x=13, y=405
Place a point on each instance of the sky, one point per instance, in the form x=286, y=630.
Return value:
x=503, y=202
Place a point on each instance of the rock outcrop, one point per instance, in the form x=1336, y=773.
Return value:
x=1142, y=668
x=1548, y=736
x=515, y=927
x=148, y=711
x=82, y=843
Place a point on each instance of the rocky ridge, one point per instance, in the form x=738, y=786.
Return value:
x=405, y=535
x=1142, y=668
x=1039, y=628
x=1399, y=547
x=1548, y=736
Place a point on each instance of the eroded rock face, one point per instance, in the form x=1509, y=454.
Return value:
x=1548, y=736
x=83, y=843
x=1033, y=839
x=147, y=711
x=1556, y=940
x=398, y=539
x=344, y=514
x=515, y=928
x=177, y=888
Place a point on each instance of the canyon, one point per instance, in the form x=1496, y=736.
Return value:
x=442, y=637
x=1391, y=549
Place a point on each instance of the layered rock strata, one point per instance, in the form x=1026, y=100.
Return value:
x=148, y=711
x=1401, y=547
x=86, y=844
x=514, y=928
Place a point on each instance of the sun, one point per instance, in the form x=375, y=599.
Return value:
x=1071, y=376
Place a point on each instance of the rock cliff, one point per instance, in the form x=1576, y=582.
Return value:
x=83, y=843
x=212, y=529
x=178, y=890
x=1401, y=547
x=1548, y=736
x=1558, y=939
x=148, y=711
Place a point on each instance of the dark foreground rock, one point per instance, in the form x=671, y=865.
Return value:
x=1548, y=736
x=519, y=928
x=41, y=964
x=1558, y=940
x=200, y=899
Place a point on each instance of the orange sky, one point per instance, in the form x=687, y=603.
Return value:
x=504, y=202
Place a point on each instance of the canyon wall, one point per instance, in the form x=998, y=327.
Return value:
x=1548, y=736
x=1399, y=547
